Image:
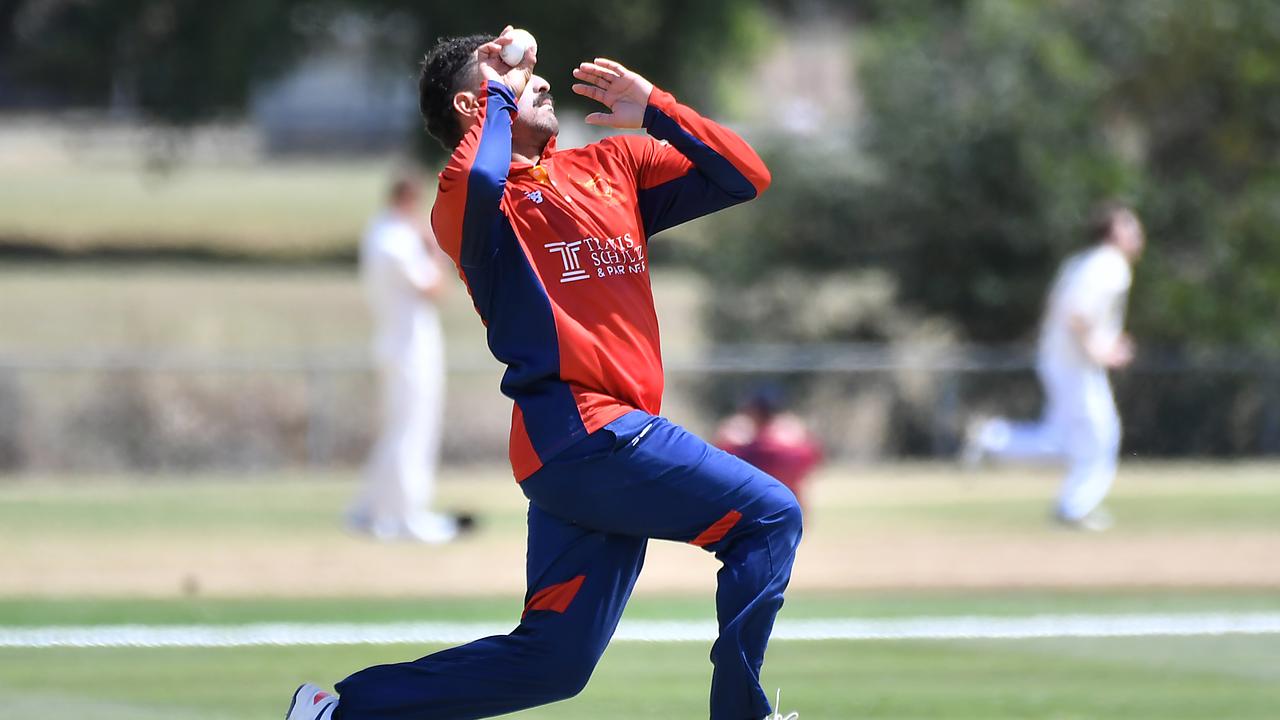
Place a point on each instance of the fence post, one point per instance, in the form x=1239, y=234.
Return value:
x=1269, y=427
x=12, y=437
x=945, y=416
x=318, y=435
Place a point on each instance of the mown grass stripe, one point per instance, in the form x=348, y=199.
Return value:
x=433, y=633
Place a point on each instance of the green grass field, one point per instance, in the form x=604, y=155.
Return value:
x=281, y=210
x=1224, y=677
x=216, y=551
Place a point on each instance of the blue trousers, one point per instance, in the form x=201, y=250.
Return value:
x=592, y=509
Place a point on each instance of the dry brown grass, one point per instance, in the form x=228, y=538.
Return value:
x=868, y=528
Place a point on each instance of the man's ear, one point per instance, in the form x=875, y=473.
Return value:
x=467, y=104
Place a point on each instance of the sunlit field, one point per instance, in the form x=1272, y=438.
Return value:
x=890, y=543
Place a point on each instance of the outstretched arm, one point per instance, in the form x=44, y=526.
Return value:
x=699, y=168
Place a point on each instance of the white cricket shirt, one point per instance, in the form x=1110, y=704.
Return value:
x=395, y=267
x=1093, y=284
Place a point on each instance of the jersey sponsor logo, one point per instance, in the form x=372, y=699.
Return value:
x=609, y=257
x=535, y=196
x=612, y=256
x=568, y=252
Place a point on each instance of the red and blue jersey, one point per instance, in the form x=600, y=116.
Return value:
x=556, y=258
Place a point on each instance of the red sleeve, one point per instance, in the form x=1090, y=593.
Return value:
x=717, y=151
x=691, y=166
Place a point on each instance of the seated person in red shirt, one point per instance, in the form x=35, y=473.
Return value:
x=777, y=442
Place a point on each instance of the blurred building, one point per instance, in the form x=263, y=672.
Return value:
x=342, y=98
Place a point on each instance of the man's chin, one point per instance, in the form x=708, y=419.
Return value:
x=537, y=130
x=548, y=126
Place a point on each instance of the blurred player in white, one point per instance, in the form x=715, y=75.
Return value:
x=1081, y=338
x=402, y=280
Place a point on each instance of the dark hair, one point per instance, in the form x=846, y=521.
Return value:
x=1103, y=219
x=446, y=70
x=768, y=399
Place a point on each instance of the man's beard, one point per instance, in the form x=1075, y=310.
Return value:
x=538, y=127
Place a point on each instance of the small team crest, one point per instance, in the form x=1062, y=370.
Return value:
x=599, y=186
x=535, y=196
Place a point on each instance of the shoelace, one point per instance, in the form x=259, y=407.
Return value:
x=779, y=716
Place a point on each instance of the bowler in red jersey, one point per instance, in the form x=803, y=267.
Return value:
x=553, y=245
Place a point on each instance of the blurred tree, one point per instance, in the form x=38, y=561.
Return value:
x=984, y=127
x=675, y=43
x=992, y=126
x=172, y=60
x=1199, y=85
x=181, y=61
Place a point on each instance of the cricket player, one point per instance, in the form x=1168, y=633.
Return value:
x=1081, y=338
x=553, y=245
x=402, y=281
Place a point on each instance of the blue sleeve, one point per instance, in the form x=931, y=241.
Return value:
x=701, y=166
x=467, y=208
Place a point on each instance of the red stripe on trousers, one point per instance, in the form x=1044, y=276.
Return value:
x=718, y=530
x=555, y=598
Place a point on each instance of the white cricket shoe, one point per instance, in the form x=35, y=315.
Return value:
x=1097, y=521
x=311, y=703
x=429, y=528
x=777, y=715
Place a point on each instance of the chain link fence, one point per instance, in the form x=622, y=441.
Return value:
x=125, y=413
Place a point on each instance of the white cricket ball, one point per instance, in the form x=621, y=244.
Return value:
x=521, y=41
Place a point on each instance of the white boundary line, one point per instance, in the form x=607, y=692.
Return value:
x=433, y=633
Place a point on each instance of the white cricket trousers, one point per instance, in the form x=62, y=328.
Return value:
x=1080, y=426
x=400, y=476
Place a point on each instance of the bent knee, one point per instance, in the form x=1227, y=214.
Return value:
x=564, y=676
x=567, y=683
x=787, y=520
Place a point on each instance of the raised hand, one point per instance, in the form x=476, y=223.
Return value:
x=625, y=93
x=494, y=68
